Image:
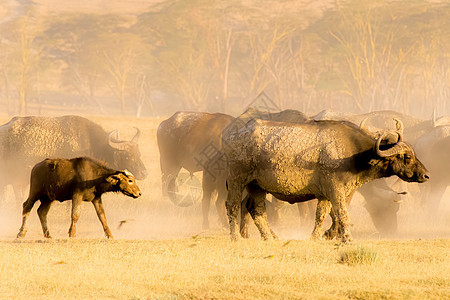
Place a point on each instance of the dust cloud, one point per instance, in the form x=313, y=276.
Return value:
x=136, y=62
x=152, y=217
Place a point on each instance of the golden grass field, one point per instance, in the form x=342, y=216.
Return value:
x=161, y=251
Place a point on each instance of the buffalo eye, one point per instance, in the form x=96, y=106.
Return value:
x=130, y=180
x=407, y=159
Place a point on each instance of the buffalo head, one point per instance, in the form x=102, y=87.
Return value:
x=125, y=183
x=401, y=159
x=127, y=155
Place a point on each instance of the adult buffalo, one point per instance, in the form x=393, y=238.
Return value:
x=78, y=179
x=327, y=160
x=374, y=121
x=434, y=151
x=193, y=141
x=189, y=140
x=24, y=141
x=185, y=140
x=383, y=199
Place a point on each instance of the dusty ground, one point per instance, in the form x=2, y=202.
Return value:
x=161, y=250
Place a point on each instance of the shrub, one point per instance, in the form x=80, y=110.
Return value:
x=360, y=255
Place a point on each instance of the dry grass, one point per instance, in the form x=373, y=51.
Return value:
x=161, y=252
x=358, y=256
x=209, y=267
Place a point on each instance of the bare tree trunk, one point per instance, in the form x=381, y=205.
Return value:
x=227, y=67
x=23, y=93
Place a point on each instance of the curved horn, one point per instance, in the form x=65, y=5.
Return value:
x=400, y=136
x=136, y=136
x=115, y=143
x=395, y=149
x=399, y=125
x=441, y=121
x=362, y=125
x=117, y=136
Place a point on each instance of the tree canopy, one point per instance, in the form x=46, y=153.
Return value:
x=215, y=55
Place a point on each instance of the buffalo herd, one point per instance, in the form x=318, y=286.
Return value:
x=288, y=155
x=296, y=158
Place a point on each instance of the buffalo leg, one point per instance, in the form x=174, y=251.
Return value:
x=431, y=203
x=249, y=211
x=169, y=174
x=322, y=211
x=334, y=231
x=208, y=190
x=220, y=203
x=273, y=210
x=27, y=206
x=383, y=212
x=306, y=211
x=257, y=208
x=76, y=210
x=233, y=203
x=339, y=208
x=245, y=216
x=42, y=213
x=98, y=205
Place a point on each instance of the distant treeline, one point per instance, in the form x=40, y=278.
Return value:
x=213, y=55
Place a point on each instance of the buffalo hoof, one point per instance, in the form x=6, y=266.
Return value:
x=330, y=234
x=346, y=239
x=274, y=235
x=235, y=237
x=108, y=233
x=21, y=234
x=244, y=233
x=72, y=232
x=316, y=236
x=268, y=236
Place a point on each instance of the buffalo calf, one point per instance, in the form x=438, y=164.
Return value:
x=78, y=179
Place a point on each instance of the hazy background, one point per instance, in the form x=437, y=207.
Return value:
x=125, y=63
x=149, y=58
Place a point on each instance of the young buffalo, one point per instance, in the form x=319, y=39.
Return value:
x=78, y=179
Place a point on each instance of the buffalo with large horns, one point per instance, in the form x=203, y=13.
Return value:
x=327, y=160
x=24, y=141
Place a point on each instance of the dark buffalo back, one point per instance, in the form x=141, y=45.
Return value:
x=27, y=140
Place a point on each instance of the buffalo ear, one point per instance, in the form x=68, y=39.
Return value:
x=113, y=179
x=374, y=162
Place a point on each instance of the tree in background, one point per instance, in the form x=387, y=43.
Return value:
x=95, y=53
x=346, y=55
x=23, y=54
x=118, y=58
x=376, y=53
x=431, y=64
